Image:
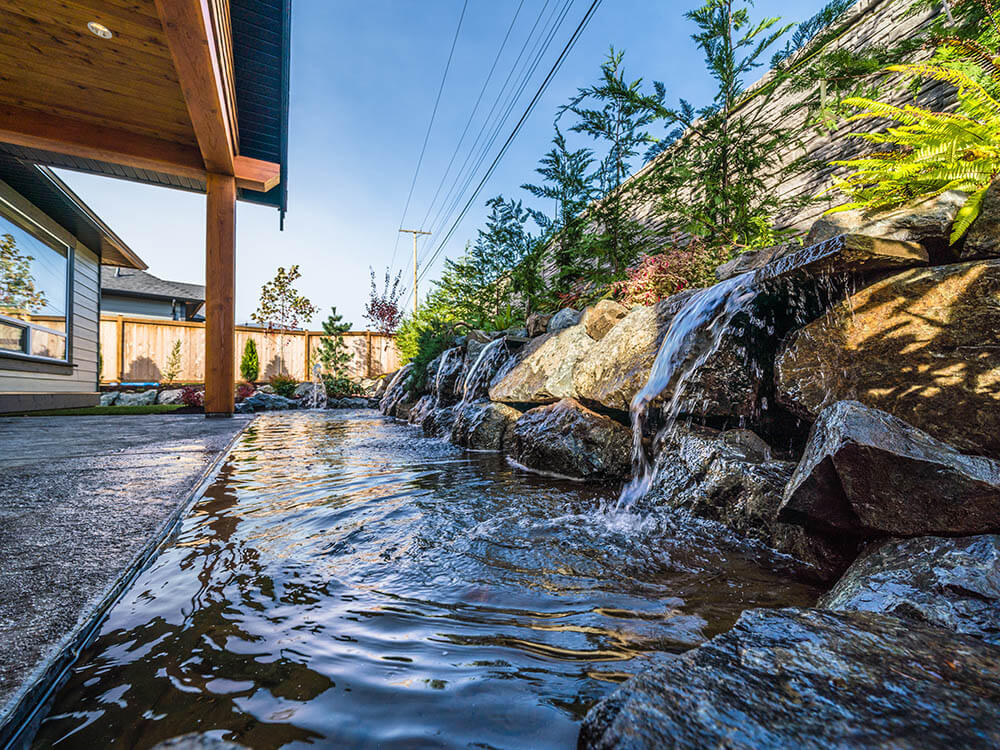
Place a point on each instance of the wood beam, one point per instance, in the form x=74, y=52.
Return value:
x=255, y=174
x=220, y=295
x=190, y=34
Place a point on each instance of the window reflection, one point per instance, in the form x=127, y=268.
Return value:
x=33, y=294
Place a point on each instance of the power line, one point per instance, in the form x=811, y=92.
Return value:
x=541, y=89
x=430, y=126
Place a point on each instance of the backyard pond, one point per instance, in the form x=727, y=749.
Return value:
x=346, y=581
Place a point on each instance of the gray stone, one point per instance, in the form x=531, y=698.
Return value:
x=922, y=345
x=542, y=372
x=355, y=402
x=171, y=396
x=600, y=318
x=567, y=439
x=438, y=422
x=950, y=582
x=868, y=473
x=311, y=395
x=754, y=259
x=806, y=678
x=109, y=398
x=395, y=391
x=982, y=239
x=423, y=407
x=266, y=388
x=197, y=741
x=563, y=319
x=856, y=255
x=730, y=477
x=483, y=425
x=143, y=398
x=262, y=401
x=537, y=324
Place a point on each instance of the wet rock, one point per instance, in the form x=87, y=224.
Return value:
x=110, y=398
x=197, y=741
x=420, y=410
x=922, y=345
x=170, y=396
x=311, y=395
x=143, y=398
x=481, y=370
x=352, y=402
x=795, y=678
x=751, y=261
x=381, y=383
x=868, y=473
x=438, y=422
x=570, y=440
x=982, y=239
x=730, y=477
x=563, y=319
x=446, y=385
x=600, y=318
x=537, y=324
x=927, y=222
x=261, y=401
x=483, y=425
x=950, y=582
x=542, y=371
x=856, y=255
x=395, y=391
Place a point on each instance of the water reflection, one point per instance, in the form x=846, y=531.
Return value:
x=347, y=582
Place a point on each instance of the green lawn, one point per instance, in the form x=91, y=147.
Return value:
x=89, y=411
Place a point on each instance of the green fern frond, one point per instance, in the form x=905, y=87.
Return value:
x=967, y=214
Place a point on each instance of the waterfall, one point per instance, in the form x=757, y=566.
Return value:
x=693, y=336
x=395, y=390
x=443, y=371
x=475, y=376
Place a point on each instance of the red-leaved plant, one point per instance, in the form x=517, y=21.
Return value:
x=656, y=277
x=191, y=396
x=244, y=391
x=383, y=310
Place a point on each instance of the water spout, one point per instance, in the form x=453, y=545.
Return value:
x=694, y=335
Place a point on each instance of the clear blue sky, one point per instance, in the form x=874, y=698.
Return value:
x=364, y=78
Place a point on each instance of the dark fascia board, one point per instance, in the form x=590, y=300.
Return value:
x=105, y=292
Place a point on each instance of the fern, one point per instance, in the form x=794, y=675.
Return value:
x=927, y=153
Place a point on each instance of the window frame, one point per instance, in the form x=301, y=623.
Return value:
x=25, y=361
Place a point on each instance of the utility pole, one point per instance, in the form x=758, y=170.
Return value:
x=414, y=232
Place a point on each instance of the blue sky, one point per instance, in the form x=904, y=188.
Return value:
x=364, y=79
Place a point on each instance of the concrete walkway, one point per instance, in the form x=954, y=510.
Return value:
x=82, y=501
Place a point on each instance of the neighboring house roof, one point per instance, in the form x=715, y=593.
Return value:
x=130, y=282
x=44, y=190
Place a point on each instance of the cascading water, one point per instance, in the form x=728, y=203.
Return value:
x=482, y=369
x=445, y=372
x=694, y=335
x=395, y=390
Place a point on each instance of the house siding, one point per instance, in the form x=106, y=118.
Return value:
x=116, y=305
x=38, y=390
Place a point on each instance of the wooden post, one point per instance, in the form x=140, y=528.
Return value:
x=220, y=296
x=368, y=364
x=305, y=369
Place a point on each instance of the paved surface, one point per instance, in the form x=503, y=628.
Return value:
x=80, y=497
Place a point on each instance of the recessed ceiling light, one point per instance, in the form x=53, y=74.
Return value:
x=99, y=29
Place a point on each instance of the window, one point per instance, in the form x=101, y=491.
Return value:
x=34, y=293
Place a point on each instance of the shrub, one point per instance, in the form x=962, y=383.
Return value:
x=657, y=277
x=173, y=368
x=284, y=385
x=191, y=396
x=244, y=391
x=250, y=364
x=337, y=386
x=431, y=341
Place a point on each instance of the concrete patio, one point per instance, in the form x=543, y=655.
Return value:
x=83, y=502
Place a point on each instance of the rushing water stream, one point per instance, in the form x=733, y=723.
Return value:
x=347, y=582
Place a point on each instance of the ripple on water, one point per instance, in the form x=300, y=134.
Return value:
x=346, y=581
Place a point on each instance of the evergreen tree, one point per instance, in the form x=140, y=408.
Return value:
x=250, y=362
x=173, y=368
x=334, y=356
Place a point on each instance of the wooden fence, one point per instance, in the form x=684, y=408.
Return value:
x=137, y=349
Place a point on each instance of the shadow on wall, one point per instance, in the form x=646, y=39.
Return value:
x=142, y=369
x=275, y=367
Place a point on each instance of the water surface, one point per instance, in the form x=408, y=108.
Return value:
x=347, y=582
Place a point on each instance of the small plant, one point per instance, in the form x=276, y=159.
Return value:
x=334, y=356
x=281, y=307
x=244, y=391
x=658, y=276
x=339, y=387
x=431, y=341
x=284, y=385
x=191, y=396
x=383, y=310
x=173, y=368
x=250, y=363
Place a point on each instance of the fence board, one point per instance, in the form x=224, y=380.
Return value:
x=137, y=350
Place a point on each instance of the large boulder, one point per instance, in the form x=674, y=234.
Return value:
x=109, y=398
x=537, y=324
x=730, y=477
x=420, y=410
x=142, y=398
x=950, y=582
x=446, y=384
x=921, y=345
x=171, y=396
x=311, y=395
x=809, y=678
x=395, y=391
x=868, y=473
x=563, y=319
x=483, y=425
x=570, y=440
x=438, y=422
x=542, y=371
x=600, y=318
x=261, y=401
x=982, y=239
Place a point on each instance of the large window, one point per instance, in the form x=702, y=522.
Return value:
x=34, y=292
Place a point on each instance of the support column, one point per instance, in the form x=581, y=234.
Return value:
x=220, y=296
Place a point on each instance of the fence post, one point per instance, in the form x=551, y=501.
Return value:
x=305, y=368
x=368, y=362
x=120, y=334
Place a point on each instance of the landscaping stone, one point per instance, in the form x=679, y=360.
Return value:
x=537, y=324
x=950, y=582
x=600, y=318
x=570, y=440
x=396, y=390
x=808, y=678
x=438, y=422
x=922, y=345
x=483, y=425
x=110, y=398
x=142, y=398
x=846, y=254
x=446, y=384
x=542, y=372
x=261, y=401
x=311, y=395
x=751, y=261
x=380, y=385
x=266, y=388
x=982, y=239
x=355, y=402
x=868, y=473
x=730, y=477
x=563, y=319
x=171, y=396
x=423, y=407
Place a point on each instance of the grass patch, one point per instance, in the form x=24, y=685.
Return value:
x=91, y=411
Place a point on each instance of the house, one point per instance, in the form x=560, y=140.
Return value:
x=186, y=94
x=51, y=250
x=130, y=291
